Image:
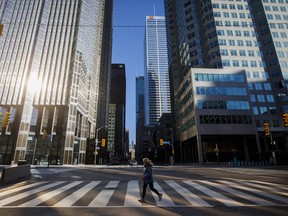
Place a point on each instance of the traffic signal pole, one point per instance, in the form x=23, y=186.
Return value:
x=268, y=132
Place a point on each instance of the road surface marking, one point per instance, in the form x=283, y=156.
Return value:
x=10, y=191
x=246, y=196
x=221, y=198
x=166, y=201
x=25, y=194
x=262, y=193
x=72, y=198
x=189, y=196
x=104, y=196
x=274, y=190
x=47, y=196
x=132, y=195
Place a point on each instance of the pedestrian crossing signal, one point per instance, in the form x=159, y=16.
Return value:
x=103, y=142
x=6, y=119
x=161, y=142
x=266, y=129
x=285, y=119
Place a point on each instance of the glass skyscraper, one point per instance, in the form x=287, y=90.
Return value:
x=50, y=57
x=239, y=34
x=157, y=90
x=140, y=114
x=117, y=111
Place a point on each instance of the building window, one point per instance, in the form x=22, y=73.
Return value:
x=261, y=98
x=255, y=111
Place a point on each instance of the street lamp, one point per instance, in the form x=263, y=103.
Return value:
x=96, y=142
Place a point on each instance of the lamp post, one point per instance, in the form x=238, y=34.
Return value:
x=96, y=142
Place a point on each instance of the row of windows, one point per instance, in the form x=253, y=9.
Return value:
x=219, y=77
x=256, y=74
x=188, y=124
x=261, y=98
x=279, y=44
x=247, y=43
x=230, y=6
x=277, y=17
x=276, y=34
x=259, y=86
x=244, y=63
x=225, y=52
x=186, y=98
x=225, y=119
x=236, y=63
x=203, y=90
x=275, y=8
x=264, y=110
x=227, y=105
x=229, y=23
x=232, y=15
x=232, y=33
x=187, y=111
x=274, y=1
x=278, y=25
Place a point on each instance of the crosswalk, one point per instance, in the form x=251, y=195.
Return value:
x=195, y=193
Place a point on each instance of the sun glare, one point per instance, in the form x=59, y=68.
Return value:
x=34, y=84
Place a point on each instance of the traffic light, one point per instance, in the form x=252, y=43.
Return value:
x=6, y=119
x=44, y=134
x=103, y=142
x=266, y=129
x=1, y=29
x=285, y=119
x=161, y=142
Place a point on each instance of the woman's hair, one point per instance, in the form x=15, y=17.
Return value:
x=146, y=160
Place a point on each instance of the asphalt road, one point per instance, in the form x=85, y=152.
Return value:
x=187, y=190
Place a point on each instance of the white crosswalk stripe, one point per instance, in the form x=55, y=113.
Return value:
x=132, y=195
x=254, y=199
x=272, y=185
x=199, y=193
x=104, y=196
x=272, y=196
x=189, y=196
x=71, y=199
x=11, y=191
x=25, y=194
x=46, y=196
x=227, y=201
x=166, y=201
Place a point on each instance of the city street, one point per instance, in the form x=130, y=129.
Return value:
x=115, y=190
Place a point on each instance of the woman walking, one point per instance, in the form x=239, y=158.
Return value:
x=148, y=179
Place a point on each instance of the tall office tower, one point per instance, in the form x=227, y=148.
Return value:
x=49, y=78
x=126, y=144
x=140, y=114
x=250, y=35
x=105, y=69
x=157, y=91
x=117, y=108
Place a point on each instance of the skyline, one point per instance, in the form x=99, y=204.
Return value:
x=128, y=47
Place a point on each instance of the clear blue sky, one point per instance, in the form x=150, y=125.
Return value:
x=128, y=46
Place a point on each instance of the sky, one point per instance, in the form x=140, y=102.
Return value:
x=128, y=47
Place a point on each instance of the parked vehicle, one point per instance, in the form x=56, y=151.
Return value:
x=133, y=162
x=115, y=161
